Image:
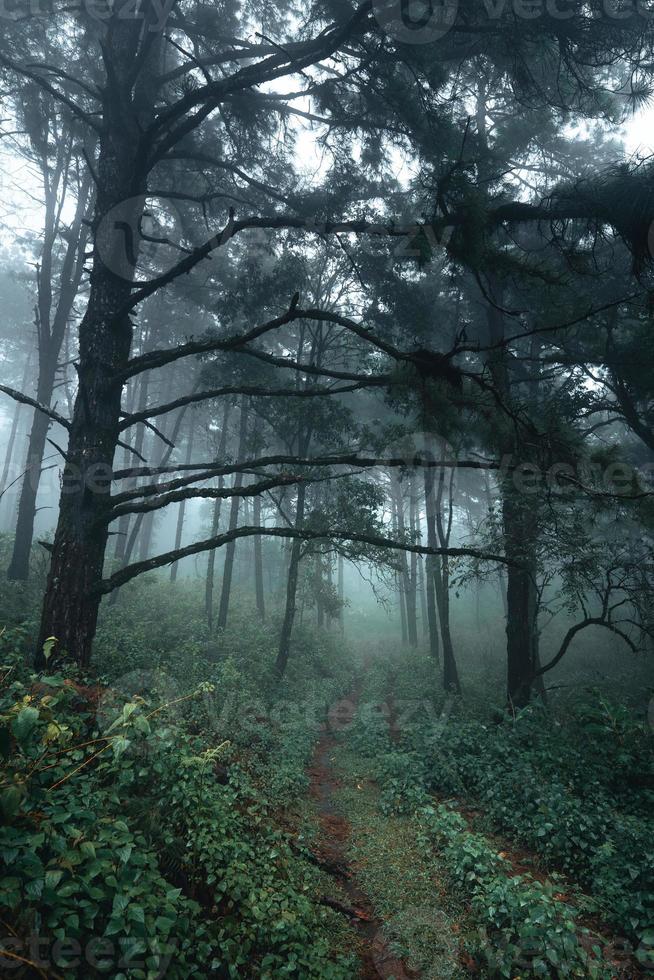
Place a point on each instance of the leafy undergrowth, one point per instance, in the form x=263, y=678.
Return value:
x=527, y=780
x=144, y=835
x=579, y=795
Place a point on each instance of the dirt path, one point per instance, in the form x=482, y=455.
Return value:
x=331, y=849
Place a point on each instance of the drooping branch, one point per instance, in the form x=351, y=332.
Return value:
x=577, y=628
x=18, y=396
x=34, y=76
x=259, y=390
x=209, y=470
x=163, y=498
x=159, y=358
x=375, y=541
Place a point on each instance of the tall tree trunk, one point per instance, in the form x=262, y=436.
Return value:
x=51, y=337
x=413, y=561
x=230, y=549
x=182, y=508
x=330, y=586
x=142, y=526
x=11, y=442
x=318, y=586
x=215, y=521
x=442, y=581
x=341, y=594
x=258, y=561
x=72, y=599
x=422, y=593
x=430, y=563
x=450, y=671
x=520, y=597
x=399, y=578
x=291, y=588
x=408, y=588
x=123, y=523
x=20, y=558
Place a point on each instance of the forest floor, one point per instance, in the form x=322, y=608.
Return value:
x=403, y=921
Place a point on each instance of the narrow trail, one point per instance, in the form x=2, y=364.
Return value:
x=331, y=849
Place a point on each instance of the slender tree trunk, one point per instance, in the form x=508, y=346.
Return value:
x=341, y=594
x=215, y=522
x=442, y=580
x=318, y=585
x=19, y=564
x=230, y=550
x=450, y=671
x=51, y=337
x=123, y=523
x=258, y=561
x=413, y=566
x=291, y=588
x=182, y=508
x=399, y=578
x=144, y=523
x=9, y=452
x=408, y=591
x=430, y=564
x=330, y=586
x=424, y=621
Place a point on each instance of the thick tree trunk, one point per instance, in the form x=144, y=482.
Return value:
x=230, y=550
x=521, y=598
x=71, y=603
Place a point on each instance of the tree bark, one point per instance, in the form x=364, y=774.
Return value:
x=51, y=337
x=430, y=564
x=341, y=594
x=258, y=562
x=71, y=603
x=9, y=452
x=228, y=568
x=291, y=588
x=215, y=522
x=408, y=587
x=182, y=508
